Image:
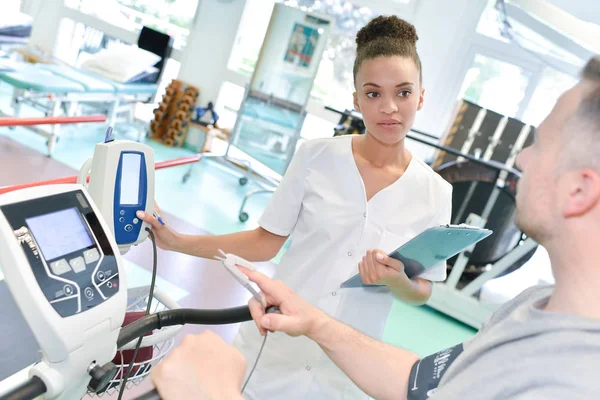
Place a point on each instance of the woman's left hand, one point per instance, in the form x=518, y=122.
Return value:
x=377, y=267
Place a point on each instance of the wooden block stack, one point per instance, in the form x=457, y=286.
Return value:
x=172, y=117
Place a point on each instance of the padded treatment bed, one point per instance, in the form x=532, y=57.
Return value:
x=59, y=89
x=29, y=77
x=95, y=83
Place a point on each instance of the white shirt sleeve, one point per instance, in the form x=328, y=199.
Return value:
x=282, y=213
x=443, y=217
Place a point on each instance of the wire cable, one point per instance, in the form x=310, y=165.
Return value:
x=255, y=362
x=150, y=296
x=266, y=310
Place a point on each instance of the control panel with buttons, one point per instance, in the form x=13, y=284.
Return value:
x=53, y=242
x=67, y=249
x=130, y=195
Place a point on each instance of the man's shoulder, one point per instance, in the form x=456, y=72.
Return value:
x=533, y=293
x=528, y=296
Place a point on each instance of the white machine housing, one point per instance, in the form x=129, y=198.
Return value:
x=71, y=342
x=121, y=183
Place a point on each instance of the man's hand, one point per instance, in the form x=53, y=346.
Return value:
x=166, y=239
x=297, y=317
x=202, y=367
x=379, y=369
x=378, y=268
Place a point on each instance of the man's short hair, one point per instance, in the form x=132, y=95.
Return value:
x=592, y=69
x=582, y=133
x=590, y=105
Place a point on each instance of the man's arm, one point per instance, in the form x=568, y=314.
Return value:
x=379, y=369
x=202, y=367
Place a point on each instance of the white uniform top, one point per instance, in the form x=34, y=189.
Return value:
x=321, y=202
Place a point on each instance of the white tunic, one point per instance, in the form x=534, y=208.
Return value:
x=321, y=203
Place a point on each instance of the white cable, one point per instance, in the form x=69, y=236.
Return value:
x=264, y=340
x=255, y=362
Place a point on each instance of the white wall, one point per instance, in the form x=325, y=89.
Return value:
x=46, y=16
x=446, y=30
x=204, y=60
x=585, y=10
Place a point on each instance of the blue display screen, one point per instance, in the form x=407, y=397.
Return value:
x=59, y=233
x=130, y=179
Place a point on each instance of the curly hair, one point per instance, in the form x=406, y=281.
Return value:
x=386, y=37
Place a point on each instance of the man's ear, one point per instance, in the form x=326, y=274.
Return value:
x=356, y=106
x=583, y=192
x=421, y=99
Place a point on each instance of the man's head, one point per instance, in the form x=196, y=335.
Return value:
x=560, y=185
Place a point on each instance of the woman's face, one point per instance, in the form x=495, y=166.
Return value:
x=388, y=94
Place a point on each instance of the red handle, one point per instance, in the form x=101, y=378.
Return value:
x=73, y=179
x=13, y=121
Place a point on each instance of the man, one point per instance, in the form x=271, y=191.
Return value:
x=543, y=344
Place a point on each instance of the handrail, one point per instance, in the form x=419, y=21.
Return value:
x=73, y=179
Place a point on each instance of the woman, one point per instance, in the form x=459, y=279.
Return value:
x=340, y=199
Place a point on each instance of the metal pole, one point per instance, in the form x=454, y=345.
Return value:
x=505, y=262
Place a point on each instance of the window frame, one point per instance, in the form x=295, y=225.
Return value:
x=511, y=53
x=125, y=35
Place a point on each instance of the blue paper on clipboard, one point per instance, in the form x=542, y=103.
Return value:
x=431, y=247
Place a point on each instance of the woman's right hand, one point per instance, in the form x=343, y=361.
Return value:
x=166, y=239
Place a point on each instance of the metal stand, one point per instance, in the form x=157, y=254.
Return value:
x=265, y=183
x=243, y=180
x=243, y=215
x=67, y=106
x=462, y=303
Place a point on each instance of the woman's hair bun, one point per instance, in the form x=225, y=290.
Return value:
x=387, y=27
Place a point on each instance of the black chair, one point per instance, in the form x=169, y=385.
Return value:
x=158, y=43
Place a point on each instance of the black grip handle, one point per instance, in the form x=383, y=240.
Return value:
x=31, y=389
x=151, y=395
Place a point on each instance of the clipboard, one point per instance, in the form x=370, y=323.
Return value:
x=429, y=248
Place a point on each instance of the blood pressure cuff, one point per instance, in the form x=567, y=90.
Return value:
x=426, y=374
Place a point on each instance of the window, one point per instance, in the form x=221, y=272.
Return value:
x=492, y=24
x=173, y=17
x=551, y=85
x=232, y=95
x=228, y=103
x=77, y=43
x=251, y=34
x=13, y=7
x=496, y=85
x=333, y=84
